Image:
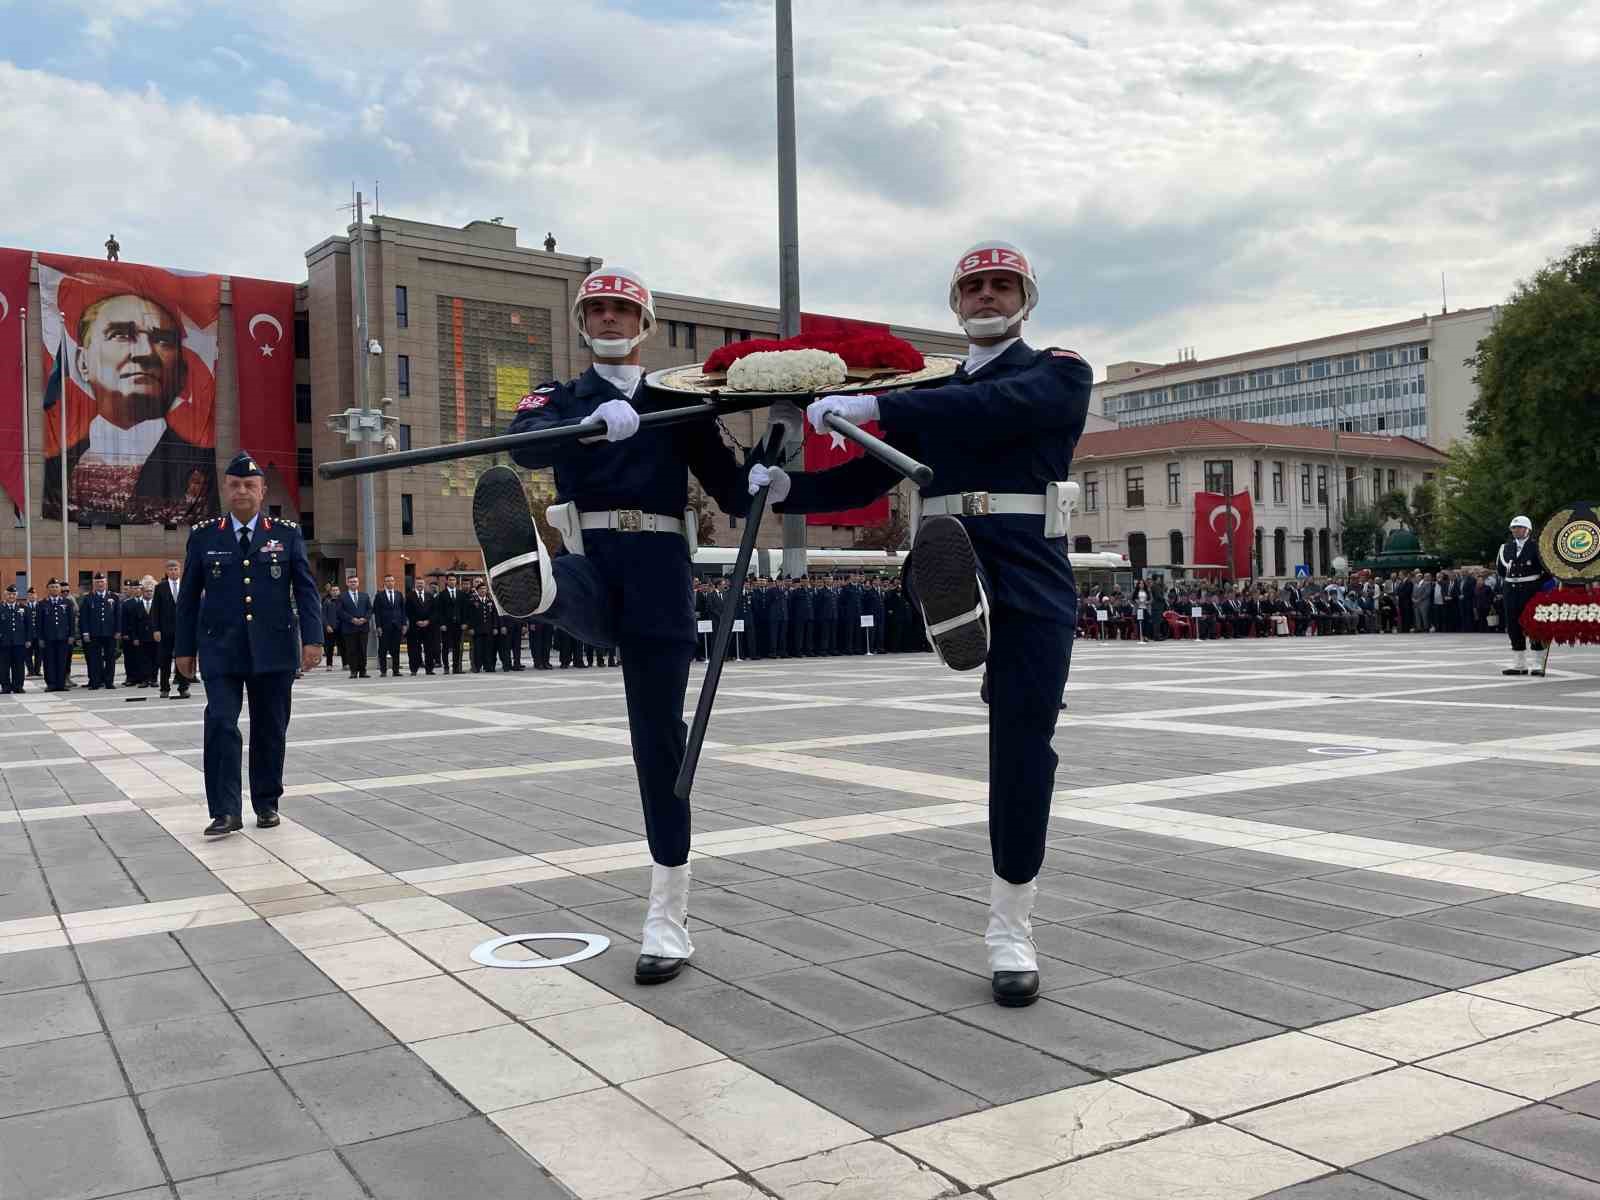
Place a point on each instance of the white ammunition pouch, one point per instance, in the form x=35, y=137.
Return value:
x=566, y=520
x=1059, y=500
x=691, y=531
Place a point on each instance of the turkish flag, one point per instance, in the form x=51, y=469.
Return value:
x=1222, y=523
x=263, y=347
x=820, y=451
x=13, y=306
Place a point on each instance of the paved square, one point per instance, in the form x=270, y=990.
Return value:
x=1318, y=918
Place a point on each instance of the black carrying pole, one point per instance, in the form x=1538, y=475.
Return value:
x=879, y=449
x=725, y=619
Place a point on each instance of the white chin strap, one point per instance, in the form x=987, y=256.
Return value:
x=985, y=327
x=613, y=347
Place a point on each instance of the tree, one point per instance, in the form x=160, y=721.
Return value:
x=1424, y=513
x=1538, y=377
x=1475, y=503
x=1363, y=528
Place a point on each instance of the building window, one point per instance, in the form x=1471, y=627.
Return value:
x=1082, y=545
x=1322, y=485
x=1280, y=551
x=1255, y=481
x=1175, y=548
x=1134, y=478
x=1377, y=483
x=1174, y=483
x=302, y=463
x=729, y=337
x=1325, y=558
x=1305, y=484
x=1091, y=491
x=688, y=336
x=402, y=308
x=407, y=514
x=403, y=374
x=308, y=525
x=1277, y=483
x=1383, y=358
x=1219, y=476
x=1138, y=553
x=1261, y=535
x=1307, y=544
x=302, y=336
x=402, y=437
x=302, y=403
x=672, y=334
x=1393, y=480
x=744, y=335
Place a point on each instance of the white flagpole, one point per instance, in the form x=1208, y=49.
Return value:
x=66, y=378
x=27, y=457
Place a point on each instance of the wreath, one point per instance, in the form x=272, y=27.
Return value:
x=865, y=354
x=1563, y=616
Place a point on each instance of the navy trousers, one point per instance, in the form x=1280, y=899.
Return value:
x=655, y=678
x=57, y=662
x=13, y=667
x=269, y=695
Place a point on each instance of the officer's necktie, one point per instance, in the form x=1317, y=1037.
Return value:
x=244, y=540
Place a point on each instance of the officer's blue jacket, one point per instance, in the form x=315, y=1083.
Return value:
x=801, y=604
x=13, y=625
x=99, y=616
x=1012, y=428
x=57, y=620
x=826, y=604
x=31, y=620
x=239, y=614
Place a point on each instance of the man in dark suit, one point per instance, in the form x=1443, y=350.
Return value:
x=167, y=592
x=330, y=624
x=355, y=618
x=389, y=614
x=138, y=628
x=450, y=613
x=420, y=651
x=99, y=622
x=245, y=581
x=1466, y=603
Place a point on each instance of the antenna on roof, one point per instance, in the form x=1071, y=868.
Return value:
x=1444, y=296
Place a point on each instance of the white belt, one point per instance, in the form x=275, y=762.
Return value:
x=1522, y=579
x=631, y=520
x=983, y=504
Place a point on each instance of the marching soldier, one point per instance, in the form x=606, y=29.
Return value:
x=1522, y=571
x=234, y=613
x=628, y=580
x=989, y=573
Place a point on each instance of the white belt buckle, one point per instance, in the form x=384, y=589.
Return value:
x=975, y=504
x=630, y=520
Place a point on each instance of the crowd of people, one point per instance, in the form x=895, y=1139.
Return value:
x=813, y=617
x=1461, y=601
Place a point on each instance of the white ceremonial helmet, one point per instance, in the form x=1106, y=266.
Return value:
x=993, y=256
x=1522, y=522
x=624, y=285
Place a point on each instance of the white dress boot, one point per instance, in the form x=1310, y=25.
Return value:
x=1519, y=663
x=1013, y=963
x=665, y=946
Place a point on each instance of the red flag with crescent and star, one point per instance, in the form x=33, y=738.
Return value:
x=820, y=451
x=1223, y=524
x=14, y=265
x=263, y=348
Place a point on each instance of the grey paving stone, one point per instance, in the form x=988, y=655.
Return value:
x=1554, y=911
x=885, y=925
x=1406, y=961
x=1080, y=1038
x=1567, y=1141
x=1292, y=1007
x=76, y=1153
x=1337, y=1187
x=1369, y=989
x=373, y=1094
x=29, y=969
x=313, y=1177
x=1526, y=929
x=1291, y=908
x=224, y=943
x=1387, y=904
x=921, y=980
x=1230, y=922
x=731, y=956
x=960, y=913
x=1583, y=1100
x=1450, y=1168
x=729, y=910
x=46, y=1013
x=830, y=999
x=1271, y=869
x=57, y=1074
x=1165, y=1014
x=489, y=904
x=131, y=956
x=160, y=996
x=469, y=1158
x=182, y=887
x=1475, y=947
x=1449, y=835
x=1165, y=937
x=864, y=885
x=812, y=940
x=1108, y=956
x=224, y=1124
x=319, y=1027
x=730, y=1018
x=793, y=895
x=786, y=863
x=1103, y=893
x=187, y=1050
x=972, y=1059
x=967, y=953
x=245, y=982
x=1404, y=885
x=864, y=1087
x=927, y=875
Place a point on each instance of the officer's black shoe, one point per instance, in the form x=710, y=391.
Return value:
x=223, y=826
x=944, y=575
x=1537, y=671
x=1515, y=671
x=653, y=969
x=267, y=819
x=183, y=693
x=1015, y=989
x=520, y=578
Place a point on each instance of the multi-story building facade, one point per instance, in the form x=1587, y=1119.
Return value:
x=1408, y=379
x=1139, y=485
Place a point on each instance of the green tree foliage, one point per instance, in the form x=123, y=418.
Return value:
x=1423, y=515
x=1538, y=376
x=1362, y=529
x=1478, y=498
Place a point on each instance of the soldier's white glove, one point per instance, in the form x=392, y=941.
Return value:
x=620, y=418
x=775, y=479
x=855, y=409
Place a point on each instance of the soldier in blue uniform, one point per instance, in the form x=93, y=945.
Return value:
x=628, y=581
x=13, y=644
x=1522, y=571
x=99, y=623
x=989, y=573
x=57, y=621
x=801, y=610
x=246, y=584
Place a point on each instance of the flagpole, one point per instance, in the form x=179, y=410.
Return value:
x=66, y=378
x=27, y=458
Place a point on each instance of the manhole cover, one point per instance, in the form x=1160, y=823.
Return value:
x=593, y=944
x=1343, y=751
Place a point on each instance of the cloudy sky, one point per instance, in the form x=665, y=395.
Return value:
x=1211, y=173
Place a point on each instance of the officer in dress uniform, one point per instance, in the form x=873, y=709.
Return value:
x=1522, y=572
x=245, y=581
x=13, y=644
x=628, y=580
x=99, y=623
x=57, y=621
x=989, y=573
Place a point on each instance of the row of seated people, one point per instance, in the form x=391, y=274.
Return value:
x=1207, y=614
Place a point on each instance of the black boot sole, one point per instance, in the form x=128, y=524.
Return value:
x=944, y=575
x=650, y=970
x=504, y=527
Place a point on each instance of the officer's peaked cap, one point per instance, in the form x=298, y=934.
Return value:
x=243, y=465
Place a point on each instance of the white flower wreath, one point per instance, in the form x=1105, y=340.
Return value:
x=786, y=371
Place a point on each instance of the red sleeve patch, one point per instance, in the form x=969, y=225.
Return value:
x=1068, y=354
x=532, y=401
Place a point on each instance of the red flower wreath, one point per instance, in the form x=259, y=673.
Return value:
x=860, y=351
x=1564, y=616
